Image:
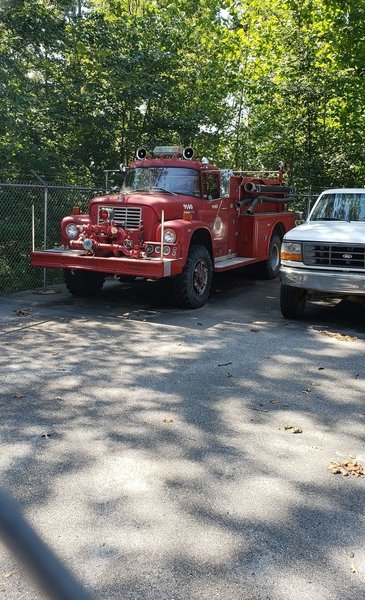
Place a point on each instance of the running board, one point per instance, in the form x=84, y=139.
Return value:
x=233, y=263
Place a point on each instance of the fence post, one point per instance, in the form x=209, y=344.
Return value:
x=309, y=200
x=45, y=234
x=44, y=183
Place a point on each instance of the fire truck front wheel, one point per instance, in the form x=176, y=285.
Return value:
x=192, y=287
x=83, y=283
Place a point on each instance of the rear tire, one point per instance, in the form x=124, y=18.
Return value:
x=292, y=301
x=192, y=287
x=269, y=269
x=83, y=283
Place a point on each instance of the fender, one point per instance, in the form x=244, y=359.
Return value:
x=78, y=220
x=272, y=226
x=185, y=231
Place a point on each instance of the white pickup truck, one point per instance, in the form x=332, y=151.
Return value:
x=325, y=256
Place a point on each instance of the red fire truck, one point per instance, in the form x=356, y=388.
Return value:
x=177, y=218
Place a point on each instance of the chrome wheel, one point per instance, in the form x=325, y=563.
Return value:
x=200, y=276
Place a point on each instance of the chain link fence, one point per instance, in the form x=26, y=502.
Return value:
x=45, y=206
x=22, y=205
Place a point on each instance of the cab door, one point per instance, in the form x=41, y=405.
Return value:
x=215, y=213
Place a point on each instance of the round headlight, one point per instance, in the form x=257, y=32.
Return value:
x=72, y=230
x=169, y=236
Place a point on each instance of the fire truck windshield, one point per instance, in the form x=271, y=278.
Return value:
x=177, y=180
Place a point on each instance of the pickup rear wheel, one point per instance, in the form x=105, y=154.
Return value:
x=192, y=287
x=292, y=301
x=83, y=283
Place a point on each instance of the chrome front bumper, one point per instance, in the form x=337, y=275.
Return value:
x=331, y=282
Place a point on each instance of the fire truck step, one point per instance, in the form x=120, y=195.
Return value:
x=237, y=261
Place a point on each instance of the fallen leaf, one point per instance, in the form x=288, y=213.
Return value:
x=351, y=554
x=167, y=420
x=265, y=356
x=275, y=402
x=346, y=468
x=354, y=570
x=9, y=574
x=338, y=336
x=18, y=396
x=24, y=312
x=46, y=436
x=229, y=375
x=306, y=391
x=293, y=429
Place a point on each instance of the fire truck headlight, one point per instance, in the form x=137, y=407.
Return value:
x=169, y=236
x=291, y=251
x=72, y=230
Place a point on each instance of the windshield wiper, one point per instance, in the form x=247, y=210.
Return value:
x=152, y=189
x=332, y=219
x=161, y=189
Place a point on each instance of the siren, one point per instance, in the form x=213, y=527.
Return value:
x=141, y=153
x=188, y=153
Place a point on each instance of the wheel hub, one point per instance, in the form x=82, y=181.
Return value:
x=200, y=277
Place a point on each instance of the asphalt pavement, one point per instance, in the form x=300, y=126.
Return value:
x=153, y=448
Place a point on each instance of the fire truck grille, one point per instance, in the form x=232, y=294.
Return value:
x=130, y=217
x=332, y=255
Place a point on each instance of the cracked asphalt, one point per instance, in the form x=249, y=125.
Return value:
x=147, y=445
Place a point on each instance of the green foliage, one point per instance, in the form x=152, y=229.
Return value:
x=83, y=84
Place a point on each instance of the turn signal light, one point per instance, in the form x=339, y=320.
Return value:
x=291, y=256
x=291, y=251
x=103, y=214
x=75, y=210
x=187, y=215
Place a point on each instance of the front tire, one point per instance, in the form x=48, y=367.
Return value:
x=83, y=283
x=192, y=287
x=292, y=301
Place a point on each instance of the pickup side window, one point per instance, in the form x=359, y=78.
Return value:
x=211, y=187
